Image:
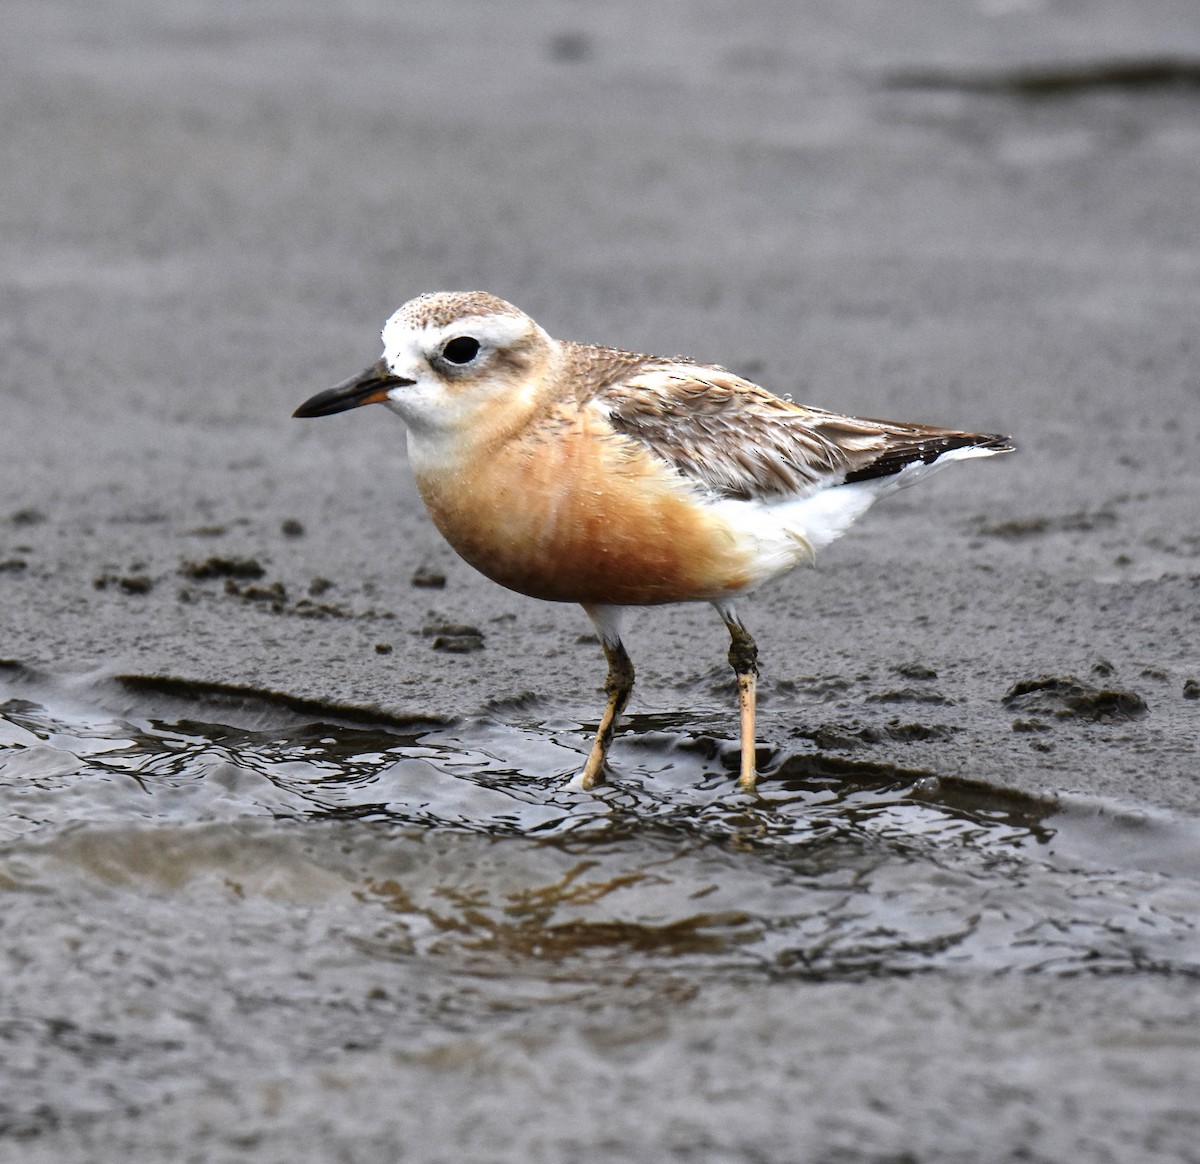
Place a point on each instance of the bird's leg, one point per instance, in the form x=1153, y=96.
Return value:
x=618, y=685
x=743, y=658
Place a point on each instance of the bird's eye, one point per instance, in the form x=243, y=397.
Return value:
x=461, y=350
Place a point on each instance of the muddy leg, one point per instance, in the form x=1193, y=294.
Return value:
x=743, y=658
x=618, y=686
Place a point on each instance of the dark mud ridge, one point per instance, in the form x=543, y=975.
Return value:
x=1058, y=79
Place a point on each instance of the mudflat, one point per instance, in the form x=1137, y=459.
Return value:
x=977, y=216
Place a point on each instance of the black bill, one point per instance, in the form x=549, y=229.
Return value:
x=369, y=387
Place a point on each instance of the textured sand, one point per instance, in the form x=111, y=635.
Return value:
x=207, y=215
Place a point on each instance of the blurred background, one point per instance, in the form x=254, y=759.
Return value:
x=976, y=213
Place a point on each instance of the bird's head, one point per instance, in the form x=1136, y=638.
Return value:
x=452, y=361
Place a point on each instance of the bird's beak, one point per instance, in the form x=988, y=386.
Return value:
x=369, y=387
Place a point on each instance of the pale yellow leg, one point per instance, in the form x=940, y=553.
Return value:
x=747, y=698
x=743, y=658
x=618, y=685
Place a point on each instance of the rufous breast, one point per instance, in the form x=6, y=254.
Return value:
x=568, y=511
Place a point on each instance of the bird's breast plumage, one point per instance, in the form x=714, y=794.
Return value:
x=566, y=509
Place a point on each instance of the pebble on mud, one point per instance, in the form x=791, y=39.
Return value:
x=1082, y=522
x=915, y=670
x=126, y=583
x=455, y=638
x=1066, y=696
x=845, y=736
x=219, y=567
x=273, y=592
x=907, y=695
x=1030, y=725
x=458, y=644
x=1191, y=689
x=427, y=578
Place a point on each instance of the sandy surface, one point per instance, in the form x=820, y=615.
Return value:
x=208, y=213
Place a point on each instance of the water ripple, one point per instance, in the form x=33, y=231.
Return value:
x=465, y=843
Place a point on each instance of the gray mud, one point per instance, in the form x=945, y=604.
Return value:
x=290, y=865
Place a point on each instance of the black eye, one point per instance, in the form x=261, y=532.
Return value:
x=461, y=350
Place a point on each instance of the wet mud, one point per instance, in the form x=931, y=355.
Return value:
x=443, y=887
x=290, y=865
x=840, y=868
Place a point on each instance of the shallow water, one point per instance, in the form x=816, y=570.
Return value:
x=466, y=844
x=228, y=922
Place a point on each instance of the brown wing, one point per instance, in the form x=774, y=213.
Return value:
x=736, y=439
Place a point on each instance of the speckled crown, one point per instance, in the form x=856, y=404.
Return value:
x=439, y=308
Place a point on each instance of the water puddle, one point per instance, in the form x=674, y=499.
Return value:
x=463, y=844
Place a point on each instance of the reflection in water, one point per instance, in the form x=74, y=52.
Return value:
x=465, y=844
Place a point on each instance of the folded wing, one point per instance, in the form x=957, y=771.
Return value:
x=737, y=440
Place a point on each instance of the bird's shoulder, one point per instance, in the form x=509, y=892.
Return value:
x=729, y=436
x=720, y=431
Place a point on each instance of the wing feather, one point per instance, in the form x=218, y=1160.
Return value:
x=737, y=440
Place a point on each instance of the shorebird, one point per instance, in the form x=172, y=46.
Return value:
x=577, y=473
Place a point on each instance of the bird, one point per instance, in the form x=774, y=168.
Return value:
x=573, y=472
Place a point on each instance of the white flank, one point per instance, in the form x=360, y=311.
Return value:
x=788, y=531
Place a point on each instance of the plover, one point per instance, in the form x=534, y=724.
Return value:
x=577, y=473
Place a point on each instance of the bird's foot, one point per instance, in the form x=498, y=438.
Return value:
x=586, y=780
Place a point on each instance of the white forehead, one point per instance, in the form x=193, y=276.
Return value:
x=403, y=340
